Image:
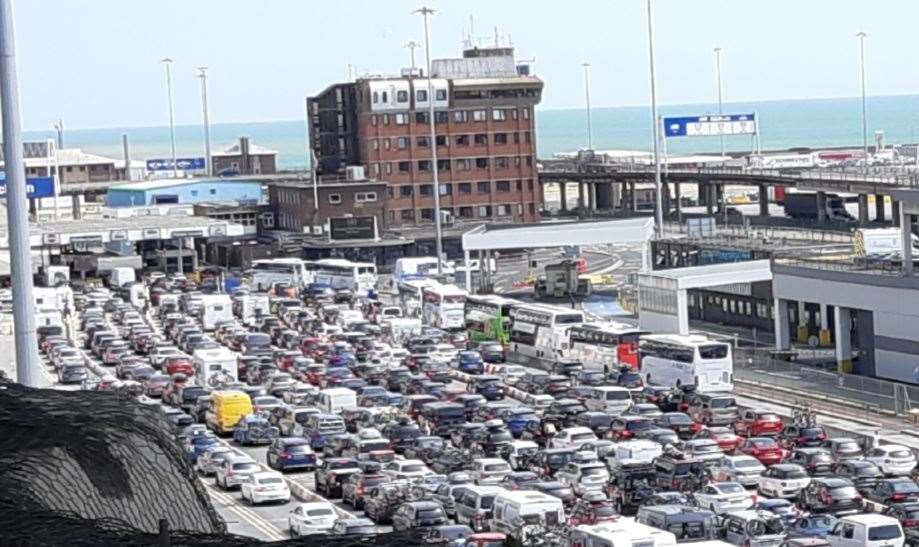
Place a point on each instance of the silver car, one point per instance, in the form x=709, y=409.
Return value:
x=234, y=470
x=211, y=458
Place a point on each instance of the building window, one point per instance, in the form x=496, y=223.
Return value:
x=194, y=193
x=401, y=119
x=373, y=119
x=461, y=140
x=446, y=189
x=405, y=191
x=483, y=187
x=388, y=169
x=386, y=144
x=386, y=119
x=421, y=117
x=520, y=186
x=376, y=97
x=408, y=214
x=440, y=94
x=213, y=191
x=465, y=187
x=421, y=95
x=514, y=113
x=425, y=189
x=460, y=116
x=422, y=142
x=443, y=165
x=402, y=143
x=481, y=163
x=503, y=186
x=466, y=212
x=516, y=161
x=502, y=163
x=375, y=144
x=532, y=209
x=529, y=161
x=424, y=166
x=519, y=205
x=335, y=199
x=364, y=197
x=427, y=214
x=405, y=167
x=484, y=211
x=481, y=139
x=530, y=185
x=500, y=138
x=526, y=113
x=516, y=137
x=479, y=115
x=402, y=96
x=503, y=210
x=498, y=115
x=441, y=140
x=385, y=97
x=464, y=164
x=441, y=117
x=526, y=137
x=375, y=169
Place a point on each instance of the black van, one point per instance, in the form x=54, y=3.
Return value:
x=675, y=472
x=442, y=418
x=686, y=523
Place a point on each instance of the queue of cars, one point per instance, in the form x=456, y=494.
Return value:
x=417, y=436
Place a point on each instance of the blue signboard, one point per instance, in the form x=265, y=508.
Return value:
x=184, y=164
x=36, y=187
x=710, y=126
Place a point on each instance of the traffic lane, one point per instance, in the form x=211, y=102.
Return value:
x=242, y=522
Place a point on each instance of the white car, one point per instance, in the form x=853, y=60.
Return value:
x=265, y=486
x=511, y=374
x=722, y=497
x=573, y=437
x=406, y=470
x=582, y=477
x=522, y=453
x=316, y=517
x=743, y=469
x=539, y=401
x=234, y=470
x=783, y=480
x=892, y=459
x=490, y=470
x=159, y=354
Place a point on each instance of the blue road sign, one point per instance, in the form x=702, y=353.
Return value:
x=36, y=187
x=710, y=126
x=184, y=164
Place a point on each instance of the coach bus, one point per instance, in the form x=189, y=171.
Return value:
x=679, y=361
x=606, y=346
x=487, y=317
x=541, y=330
x=267, y=272
x=442, y=306
x=358, y=277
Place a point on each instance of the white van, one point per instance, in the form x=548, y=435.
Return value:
x=638, y=451
x=334, y=400
x=624, y=532
x=866, y=530
x=121, y=277
x=612, y=399
x=248, y=307
x=214, y=309
x=514, y=510
x=213, y=366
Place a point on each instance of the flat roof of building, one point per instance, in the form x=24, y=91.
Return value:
x=169, y=183
x=254, y=150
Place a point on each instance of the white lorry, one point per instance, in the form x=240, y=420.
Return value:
x=121, y=277
x=214, y=309
x=881, y=242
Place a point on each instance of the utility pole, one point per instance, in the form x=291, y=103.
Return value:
x=720, y=91
x=411, y=45
x=27, y=364
x=590, y=141
x=209, y=167
x=425, y=12
x=861, y=56
x=655, y=122
x=59, y=127
x=167, y=62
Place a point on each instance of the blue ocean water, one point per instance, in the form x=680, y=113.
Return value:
x=783, y=124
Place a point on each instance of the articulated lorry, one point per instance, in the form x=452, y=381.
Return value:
x=804, y=205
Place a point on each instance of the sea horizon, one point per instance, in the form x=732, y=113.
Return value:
x=784, y=123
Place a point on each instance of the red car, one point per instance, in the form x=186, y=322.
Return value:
x=764, y=449
x=724, y=436
x=757, y=423
x=286, y=361
x=179, y=364
x=171, y=390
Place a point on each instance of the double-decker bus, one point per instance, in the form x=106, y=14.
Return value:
x=488, y=316
x=604, y=345
x=442, y=306
x=541, y=330
x=677, y=361
x=267, y=272
x=338, y=273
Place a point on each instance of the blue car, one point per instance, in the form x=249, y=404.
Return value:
x=254, y=429
x=291, y=453
x=470, y=362
x=518, y=420
x=195, y=446
x=812, y=526
x=784, y=509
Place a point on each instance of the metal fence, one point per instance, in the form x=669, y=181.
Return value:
x=871, y=395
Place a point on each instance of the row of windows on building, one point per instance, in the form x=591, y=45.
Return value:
x=462, y=188
x=461, y=164
x=733, y=305
x=458, y=116
x=476, y=211
x=421, y=96
x=292, y=197
x=467, y=139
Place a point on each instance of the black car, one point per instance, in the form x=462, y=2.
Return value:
x=401, y=435
x=491, y=352
x=382, y=501
x=565, y=411
x=817, y=461
x=624, y=428
x=423, y=448
x=590, y=378
x=651, y=394
x=679, y=422
x=830, y=495
x=908, y=515
x=550, y=460
x=418, y=514
x=451, y=460
x=887, y=491
x=471, y=402
x=599, y=422
x=568, y=367
x=626, y=378
x=355, y=486
x=394, y=378
x=862, y=473
x=332, y=473
x=489, y=386
x=630, y=486
x=465, y=435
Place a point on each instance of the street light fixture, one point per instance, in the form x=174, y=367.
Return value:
x=720, y=90
x=167, y=62
x=659, y=206
x=590, y=145
x=861, y=55
x=425, y=11
x=202, y=74
x=411, y=45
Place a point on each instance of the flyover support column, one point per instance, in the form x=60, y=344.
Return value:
x=665, y=199
x=906, y=241
x=803, y=332
x=842, y=324
x=862, y=208
x=782, y=328
x=879, y=213
x=895, y=211
x=633, y=198
x=821, y=207
x=678, y=199
x=701, y=193
x=764, y=201
x=563, y=196
x=468, y=273
x=592, y=194
x=615, y=196
x=824, y=325
x=709, y=199
x=581, y=203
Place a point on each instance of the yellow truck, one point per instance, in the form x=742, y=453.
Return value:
x=227, y=408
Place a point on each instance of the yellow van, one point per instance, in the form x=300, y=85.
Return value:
x=227, y=408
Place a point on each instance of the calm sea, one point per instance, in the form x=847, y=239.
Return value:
x=783, y=124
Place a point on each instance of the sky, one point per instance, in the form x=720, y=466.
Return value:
x=95, y=63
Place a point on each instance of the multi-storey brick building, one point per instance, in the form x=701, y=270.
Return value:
x=485, y=137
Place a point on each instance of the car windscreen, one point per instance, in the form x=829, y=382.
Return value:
x=617, y=395
x=884, y=532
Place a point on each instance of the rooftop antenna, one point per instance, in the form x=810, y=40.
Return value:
x=350, y=73
x=59, y=127
x=496, y=35
x=471, y=31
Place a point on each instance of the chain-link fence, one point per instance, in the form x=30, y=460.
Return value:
x=870, y=395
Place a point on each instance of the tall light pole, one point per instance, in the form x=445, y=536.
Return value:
x=861, y=56
x=659, y=206
x=202, y=73
x=425, y=12
x=167, y=62
x=27, y=364
x=411, y=45
x=720, y=90
x=590, y=140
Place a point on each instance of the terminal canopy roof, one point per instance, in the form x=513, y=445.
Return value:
x=558, y=234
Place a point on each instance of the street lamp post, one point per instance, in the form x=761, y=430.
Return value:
x=659, y=206
x=425, y=12
x=720, y=91
x=590, y=144
x=861, y=56
x=167, y=62
x=202, y=73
